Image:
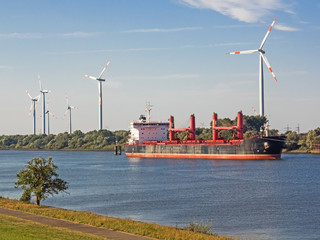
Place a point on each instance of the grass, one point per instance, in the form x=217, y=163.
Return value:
x=12, y=228
x=125, y=225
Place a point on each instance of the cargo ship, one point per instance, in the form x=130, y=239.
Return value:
x=149, y=139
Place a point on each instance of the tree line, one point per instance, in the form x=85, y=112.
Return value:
x=93, y=140
x=307, y=142
x=105, y=139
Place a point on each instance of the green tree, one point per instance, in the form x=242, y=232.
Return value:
x=292, y=140
x=312, y=137
x=253, y=123
x=40, y=178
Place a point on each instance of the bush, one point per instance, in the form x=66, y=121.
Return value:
x=200, y=227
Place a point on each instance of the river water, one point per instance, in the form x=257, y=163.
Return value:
x=247, y=199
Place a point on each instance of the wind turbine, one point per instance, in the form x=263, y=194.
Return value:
x=34, y=102
x=262, y=58
x=43, y=92
x=50, y=113
x=100, y=80
x=65, y=114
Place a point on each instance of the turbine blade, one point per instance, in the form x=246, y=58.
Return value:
x=65, y=114
x=53, y=115
x=67, y=101
x=266, y=36
x=74, y=107
x=243, y=52
x=104, y=69
x=28, y=93
x=30, y=110
x=255, y=111
x=40, y=82
x=268, y=65
x=94, y=78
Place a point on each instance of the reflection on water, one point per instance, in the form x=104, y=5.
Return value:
x=248, y=199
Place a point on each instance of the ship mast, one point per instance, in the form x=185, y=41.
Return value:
x=148, y=109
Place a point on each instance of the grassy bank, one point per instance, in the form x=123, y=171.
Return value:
x=125, y=225
x=12, y=228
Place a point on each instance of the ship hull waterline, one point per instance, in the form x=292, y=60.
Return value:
x=254, y=148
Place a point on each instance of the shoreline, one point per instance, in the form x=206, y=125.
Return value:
x=150, y=230
x=312, y=152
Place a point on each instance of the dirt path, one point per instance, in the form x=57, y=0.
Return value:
x=102, y=232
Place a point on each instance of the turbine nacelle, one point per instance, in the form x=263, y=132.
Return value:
x=45, y=91
x=260, y=50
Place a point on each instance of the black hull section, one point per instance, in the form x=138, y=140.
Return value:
x=253, y=148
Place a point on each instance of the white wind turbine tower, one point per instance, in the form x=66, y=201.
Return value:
x=34, y=102
x=43, y=92
x=262, y=58
x=100, y=80
x=65, y=114
x=50, y=113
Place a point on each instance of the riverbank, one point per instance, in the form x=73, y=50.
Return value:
x=301, y=151
x=124, y=225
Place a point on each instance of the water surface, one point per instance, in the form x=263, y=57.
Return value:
x=249, y=199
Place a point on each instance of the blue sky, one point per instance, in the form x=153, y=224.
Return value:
x=168, y=52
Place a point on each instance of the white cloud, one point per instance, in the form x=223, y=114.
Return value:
x=108, y=50
x=78, y=34
x=5, y=67
x=282, y=27
x=242, y=10
x=163, y=30
x=41, y=35
x=20, y=35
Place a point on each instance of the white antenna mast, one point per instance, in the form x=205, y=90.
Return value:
x=148, y=109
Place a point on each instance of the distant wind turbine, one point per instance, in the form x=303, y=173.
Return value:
x=49, y=113
x=52, y=115
x=69, y=107
x=262, y=58
x=43, y=92
x=100, y=80
x=34, y=102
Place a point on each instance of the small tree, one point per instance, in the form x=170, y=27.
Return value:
x=39, y=178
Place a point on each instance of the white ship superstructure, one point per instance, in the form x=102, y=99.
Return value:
x=148, y=131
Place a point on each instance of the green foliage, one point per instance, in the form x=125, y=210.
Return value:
x=40, y=178
x=292, y=140
x=200, y=227
x=26, y=195
x=250, y=133
x=253, y=123
x=94, y=140
x=203, y=133
x=312, y=137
